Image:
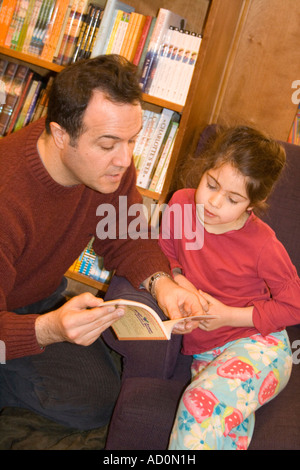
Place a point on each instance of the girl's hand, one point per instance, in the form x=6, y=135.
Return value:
x=227, y=316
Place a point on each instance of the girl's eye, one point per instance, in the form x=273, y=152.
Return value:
x=232, y=201
x=211, y=186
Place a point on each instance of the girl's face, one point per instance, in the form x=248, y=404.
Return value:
x=222, y=192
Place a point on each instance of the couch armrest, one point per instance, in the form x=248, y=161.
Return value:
x=161, y=359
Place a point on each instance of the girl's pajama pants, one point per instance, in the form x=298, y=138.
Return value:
x=228, y=384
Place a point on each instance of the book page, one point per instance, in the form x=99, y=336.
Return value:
x=142, y=322
x=138, y=323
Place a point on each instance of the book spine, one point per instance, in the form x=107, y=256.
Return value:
x=143, y=37
x=161, y=180
x=31, y=26
x=163, y=161
x=12, y=96
x=103, y=29
x=6, y=14
x=144, y=176
x=162, y=89
x=19, y=24
x=50, y=26
x=12, y=25
x=93, y=33
x=84, y=31
x=51, y=40
x=19, y=104
x=147, y=136
x=179, y=66
x=189, y=71
x=165, y=19
x=20, y=121
x=67, y=31
x=164, y=53
x=136, y=37
x=74, y=33
x=120, y=34
x=117, y=18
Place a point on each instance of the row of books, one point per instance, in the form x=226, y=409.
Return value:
x=91, y=265
x=153, y=148
x=64, y=31
x=23, y=96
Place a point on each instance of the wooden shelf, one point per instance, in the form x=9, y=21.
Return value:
x=31, y=59
x=162, y=103
x=87, y=280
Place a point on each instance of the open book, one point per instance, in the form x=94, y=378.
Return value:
x=142, y=322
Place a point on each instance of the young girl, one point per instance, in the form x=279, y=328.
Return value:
x=242, y=358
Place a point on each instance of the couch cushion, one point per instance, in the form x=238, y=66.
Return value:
x=277, y=425
x=144, y=414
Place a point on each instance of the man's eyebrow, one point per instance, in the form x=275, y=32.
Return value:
x=231, y=192
x=115, y=137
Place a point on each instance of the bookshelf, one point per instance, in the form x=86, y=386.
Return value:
x=247, y=63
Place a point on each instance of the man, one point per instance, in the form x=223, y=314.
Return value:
x=54, y=176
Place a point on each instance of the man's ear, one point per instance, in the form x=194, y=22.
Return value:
x=60, y=136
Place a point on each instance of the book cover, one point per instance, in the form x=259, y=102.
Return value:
x=25, y=42
x=144, y=176
x=141, y=322
x=106, y=24
x=165, y=19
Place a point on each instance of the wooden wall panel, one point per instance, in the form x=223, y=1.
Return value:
x=257, y=89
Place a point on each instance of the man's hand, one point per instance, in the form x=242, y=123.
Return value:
x=81, y=320
x=177, y=302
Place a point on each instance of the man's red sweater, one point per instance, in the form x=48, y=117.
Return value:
x=45, y=227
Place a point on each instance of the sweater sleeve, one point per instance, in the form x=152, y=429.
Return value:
x=133, y=252
x=280, y=275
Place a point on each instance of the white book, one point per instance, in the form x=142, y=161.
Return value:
x=165, y=19
x=189, y=69
x=164, y=156
x=178, y=66
x=148, y=164
x=150, y=128
x=169, y=69
x=163, y=54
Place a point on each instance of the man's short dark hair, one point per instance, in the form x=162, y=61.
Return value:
x=73, y=88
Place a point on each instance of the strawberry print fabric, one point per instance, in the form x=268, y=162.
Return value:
x=228, y=384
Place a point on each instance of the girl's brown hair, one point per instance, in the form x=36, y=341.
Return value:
x=256, y=156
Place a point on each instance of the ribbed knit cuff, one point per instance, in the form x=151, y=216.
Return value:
x=18, y=334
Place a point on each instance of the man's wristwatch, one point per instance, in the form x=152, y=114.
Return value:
x=153, y=280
